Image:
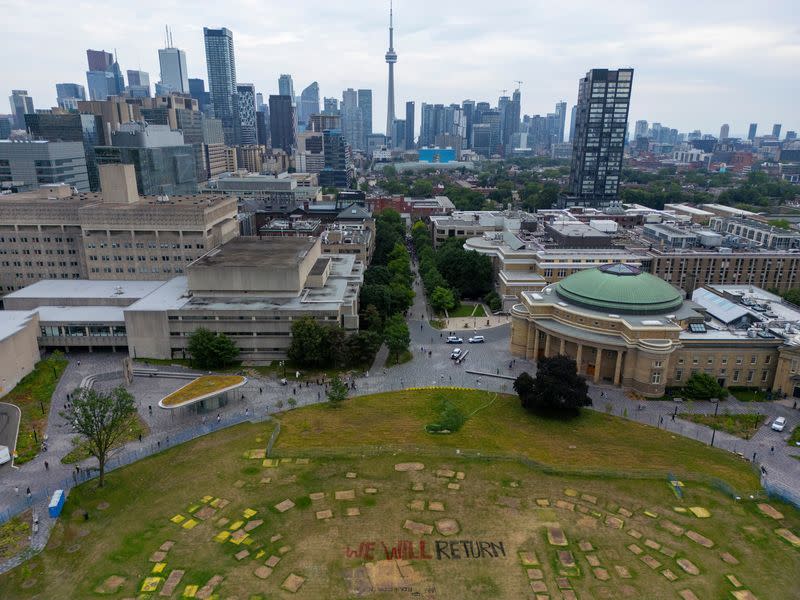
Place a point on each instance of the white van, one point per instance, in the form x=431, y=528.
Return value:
x=5, y=455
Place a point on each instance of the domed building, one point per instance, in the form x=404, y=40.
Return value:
x=627, y=327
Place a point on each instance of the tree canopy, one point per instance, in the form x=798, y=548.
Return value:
x=702, y=386
x=397, y=335
x=102, y=419
x=557, y=388
x=211, y=350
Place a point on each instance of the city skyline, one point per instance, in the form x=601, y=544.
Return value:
x=696, y=71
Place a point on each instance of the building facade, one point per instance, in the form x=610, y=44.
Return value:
x=174, y=74
x=31, y=163
x=601, y=125
x=221, y=64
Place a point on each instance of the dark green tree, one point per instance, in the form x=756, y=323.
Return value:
x=524, y=385
x=396, y=335
x=360, y=348
x=557, y=388
x=702, y=386
x=211, y=350
x=422, y=188
x=793, y=296
x=309, y=340
x=337, y=391
x=102, y=419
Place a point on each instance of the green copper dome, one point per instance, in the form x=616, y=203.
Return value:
x=619, y=288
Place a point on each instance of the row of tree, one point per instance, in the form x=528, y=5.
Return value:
x=387, y=293
x=451, y=273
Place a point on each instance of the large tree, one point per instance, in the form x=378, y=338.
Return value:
x=337, y=392
x=702, y=386
x=557, y=387
x=315, y=345
x=211, y=350
x=396, y=335
x=464, y=270
x=102, y=419
x=442, y=300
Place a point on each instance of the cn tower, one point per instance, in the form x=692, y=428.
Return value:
x=391, y=58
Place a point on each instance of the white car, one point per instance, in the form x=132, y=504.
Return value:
x=454, y=339
x=476, y=339
x=779, y=423
x=456, y=353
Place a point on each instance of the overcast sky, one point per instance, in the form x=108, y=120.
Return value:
x=698, y=63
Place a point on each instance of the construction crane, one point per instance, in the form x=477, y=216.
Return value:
x=504, y=92
x=518, y=82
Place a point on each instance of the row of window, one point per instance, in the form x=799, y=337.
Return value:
x=141, y=245
x=724, y=360
x=107, y=258
x=83, y=330
x=38, y=251
x=722, y=373
x=35, y=240
x=135, y=270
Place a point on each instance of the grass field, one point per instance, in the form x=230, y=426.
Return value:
x=504, y=510
x=32, y=395
x=14, y=535
x=742, y=425
x=748, y=394
x=467, y=310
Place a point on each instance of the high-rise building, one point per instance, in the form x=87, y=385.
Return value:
x=71, y=127
x=338, y=163
x=221, y=65
x=751, y=132
x=776, y=130
x=138, y=84
x=561, y=119
x=365, y=104
x=197, y=90
x=246, y=112
x=724, y=131
x=511, y=111
x=399, y=134
x=104, y=76
x=409, y=135
x=163, y=162
x=99, y=60
x=330, y=106
x=603, y=101
x=481, y=138
x=572, y=118
x=281, y=122
x=33, y=163
x=259, y=101
x=286, y=86
x=173, y=69
x=391, y=58
x=309, y=103
x=352, y=120
x=68, y=94
x=468, y=106
x=21, y=105
x=640, y=129
x=791, y=136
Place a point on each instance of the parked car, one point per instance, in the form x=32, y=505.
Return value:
x=476, y=339
x=456, y=353
x=779, y=423
x=454, y=339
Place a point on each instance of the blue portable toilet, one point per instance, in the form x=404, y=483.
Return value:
x=56, y=503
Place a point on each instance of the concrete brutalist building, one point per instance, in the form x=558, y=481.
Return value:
x=56, y=233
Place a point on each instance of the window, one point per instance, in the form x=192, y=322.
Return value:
x=767, y=358
x=739, y=360
x=655, y=378
x=678, y=374
x=695, y=361
x=656, y=364
x=764, y=375
x=735, y=376
x=753, y=359
x=724, y=360
x=710, y=361
x=750, y=375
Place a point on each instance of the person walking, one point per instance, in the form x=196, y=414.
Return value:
x=46, y=466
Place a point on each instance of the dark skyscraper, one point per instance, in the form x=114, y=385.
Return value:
x=365, y=104
x=281, y=122
x=511, y=118
x=468, y=106
x=573, y=116
x=410, y=136
x=561, y=117
x=776, y=130
x=246, y=113
x=221, y=66
x=602, y=121
x=751, y=132
x=336, y=172
x=99, y=60
x=197, y=90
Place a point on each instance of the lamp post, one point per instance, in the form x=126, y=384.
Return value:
x=283, y=364
x=714, y=425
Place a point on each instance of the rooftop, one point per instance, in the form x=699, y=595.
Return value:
x=254, y=252
x=12, y=321
x=83, y=288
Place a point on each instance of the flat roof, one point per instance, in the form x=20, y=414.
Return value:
x=81, y=314
x=12, y=321
x=85, y=288
x=575, y=229
x=254, y=252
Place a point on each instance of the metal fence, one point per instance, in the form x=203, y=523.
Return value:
x=126, y=457
x=780, y=491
